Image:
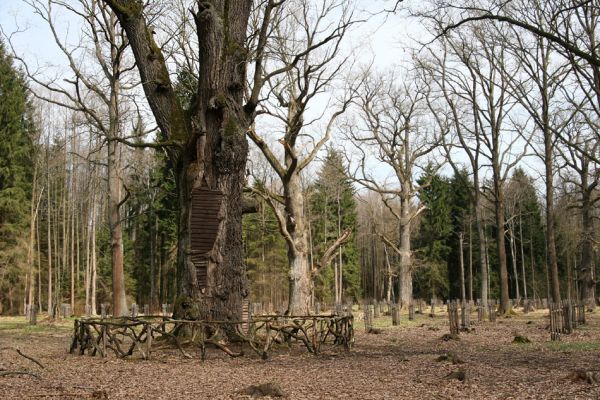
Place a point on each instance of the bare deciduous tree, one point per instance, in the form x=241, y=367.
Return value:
x=305, y=60
x=393, y=129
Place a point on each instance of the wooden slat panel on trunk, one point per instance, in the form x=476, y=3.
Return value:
x=204, y=226
x=204, y=219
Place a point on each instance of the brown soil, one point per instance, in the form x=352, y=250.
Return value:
x=400, y=363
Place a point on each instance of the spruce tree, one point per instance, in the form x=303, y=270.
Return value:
x=265, y=257
x=434, y=235
x=333, y=210
x=438, y=246
x=16, y=174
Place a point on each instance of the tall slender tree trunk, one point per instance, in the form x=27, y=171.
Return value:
x=65, y=218
x=463, y=295
x=501, y=250
x=569, y=277
x=470, y=259
x=49, y=235
x=35, y=204
x=340, y=263
x=549, y=175
x=88, y=260
x=533, y=286
x=513, y=253
x=93, y=268
x=587, y=284
x=115, y=183
x=482, y=251
x=406, y=284
x=389, y=274
x=119, y=299
x=72, y=232
x=522, y=255
x=39, y=263
x=153, y=252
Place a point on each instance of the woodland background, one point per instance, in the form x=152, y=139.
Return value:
x=465, y=152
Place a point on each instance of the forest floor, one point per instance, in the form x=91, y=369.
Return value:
x=399, y=363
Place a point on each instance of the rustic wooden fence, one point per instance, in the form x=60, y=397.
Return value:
x=144, y=335
x=565, y=316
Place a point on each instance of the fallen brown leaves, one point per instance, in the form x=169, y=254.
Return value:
x=399, y=363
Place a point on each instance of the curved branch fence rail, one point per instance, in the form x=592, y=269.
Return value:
x=144, y=335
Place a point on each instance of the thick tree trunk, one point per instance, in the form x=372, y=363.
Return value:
x=226, y=281
x=300, y=278
x=207, y=144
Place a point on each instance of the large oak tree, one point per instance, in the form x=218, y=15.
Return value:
x=205, y=141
